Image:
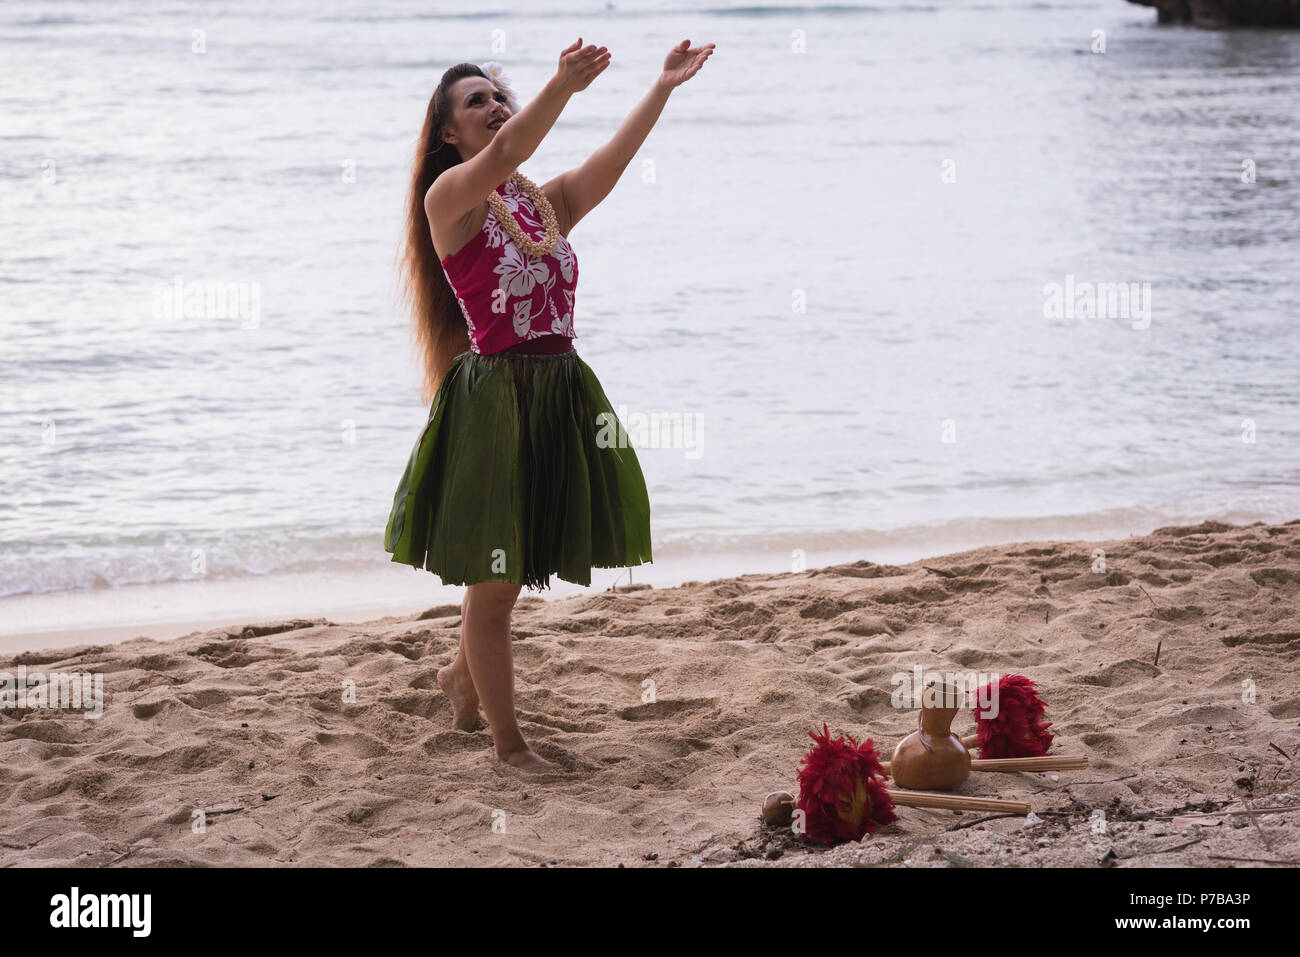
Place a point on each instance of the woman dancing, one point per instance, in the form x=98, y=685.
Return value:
x=514, y=477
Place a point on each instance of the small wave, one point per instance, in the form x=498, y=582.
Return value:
x=50, y=568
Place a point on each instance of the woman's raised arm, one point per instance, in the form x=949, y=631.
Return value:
x=583, y=188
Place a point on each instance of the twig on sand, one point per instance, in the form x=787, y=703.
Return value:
x=1258, y=810
x=1163, y=850
x=940, y=571
x=1289, y=759
x=1075, y=784
x=701, y=848
x=1255, y=821
x=1253, y=860
x=1153, y=602
x=979, y=820
x=1156, y=663
x=122, y=858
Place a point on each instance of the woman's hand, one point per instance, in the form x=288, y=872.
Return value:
x=683, y=62
x=580, y=65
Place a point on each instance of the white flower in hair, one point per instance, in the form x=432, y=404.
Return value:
x=496, y=73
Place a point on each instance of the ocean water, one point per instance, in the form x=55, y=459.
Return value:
x=834, y=264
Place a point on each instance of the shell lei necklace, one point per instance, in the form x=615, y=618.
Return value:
x=533, y=248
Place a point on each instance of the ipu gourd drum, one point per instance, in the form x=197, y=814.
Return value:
x=932, y=758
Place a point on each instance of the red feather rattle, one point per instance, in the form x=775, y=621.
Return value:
x=1018, y=730
x=842, y=789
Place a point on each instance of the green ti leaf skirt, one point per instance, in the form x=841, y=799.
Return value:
x=522, y=471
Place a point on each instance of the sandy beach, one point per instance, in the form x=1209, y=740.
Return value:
x=305, y=742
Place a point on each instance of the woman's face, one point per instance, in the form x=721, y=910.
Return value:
x=478, y=109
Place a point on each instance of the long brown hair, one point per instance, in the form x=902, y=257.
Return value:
x=439, y=324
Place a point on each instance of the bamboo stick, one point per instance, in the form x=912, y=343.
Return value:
x=1047, y=762
x=955, y=802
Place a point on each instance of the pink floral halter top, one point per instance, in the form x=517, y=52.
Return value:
x=506, y=297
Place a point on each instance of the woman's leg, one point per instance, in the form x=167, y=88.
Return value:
x=457, y=683
x=487, y=650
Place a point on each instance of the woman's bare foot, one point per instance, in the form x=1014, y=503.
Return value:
x=458, y=686
x=528, y=760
